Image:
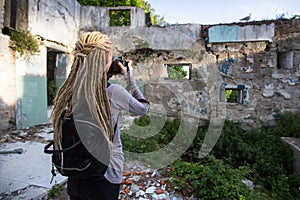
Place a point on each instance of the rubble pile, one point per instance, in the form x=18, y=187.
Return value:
x=35, y=133
x=142, y=183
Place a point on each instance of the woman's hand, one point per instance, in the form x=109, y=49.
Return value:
x=123, y=68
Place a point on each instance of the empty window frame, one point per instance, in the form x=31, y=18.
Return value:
x=119, y=17
x=179, y=71
x=285, y=60
x=234, y=95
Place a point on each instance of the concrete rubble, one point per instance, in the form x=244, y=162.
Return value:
x=141, y=183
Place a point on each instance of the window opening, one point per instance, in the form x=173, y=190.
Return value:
x=13, y=14
x=285, y=60
x=56, y=72
x=179, y=71
x=51, y=71
x=234, y=95
x=119, y=18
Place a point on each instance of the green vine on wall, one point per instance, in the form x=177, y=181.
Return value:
x=24, y=42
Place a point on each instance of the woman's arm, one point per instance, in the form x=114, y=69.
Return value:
x=123, y=100
x=131, y=99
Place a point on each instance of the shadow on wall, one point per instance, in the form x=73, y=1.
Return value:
x=7, y=116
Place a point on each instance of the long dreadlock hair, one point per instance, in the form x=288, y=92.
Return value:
x=88, y=79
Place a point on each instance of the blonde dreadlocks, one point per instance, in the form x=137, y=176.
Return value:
x=87, y=80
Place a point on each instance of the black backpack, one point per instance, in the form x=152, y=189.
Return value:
x=77, y=161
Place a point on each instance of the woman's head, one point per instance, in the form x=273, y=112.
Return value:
x=87, y=83
x=90, y=41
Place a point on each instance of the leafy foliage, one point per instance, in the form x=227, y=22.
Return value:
x=23, y=42
x=176, y=72
x=288, y=124
x=54, y=191
x=119, y=17
x=232, y=96
x=211, y=179
x=263, y=151
x=140, y=144
x=258, y=155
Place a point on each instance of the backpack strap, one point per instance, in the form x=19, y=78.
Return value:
x=48, y=151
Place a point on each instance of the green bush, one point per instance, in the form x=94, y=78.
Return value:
x=135, y=140
x=270, y=159
x=288, y=124
x=211, y=179
x=24, y=42
x=258, y=155
x=55, y=191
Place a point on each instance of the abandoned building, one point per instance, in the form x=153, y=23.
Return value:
x=246, y=72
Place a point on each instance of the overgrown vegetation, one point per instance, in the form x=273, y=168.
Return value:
x=119, y=17
x=23, y=42
x=55, y=191
x=258, y=156
x=176, y=72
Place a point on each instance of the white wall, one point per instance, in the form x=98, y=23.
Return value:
x=55, y=20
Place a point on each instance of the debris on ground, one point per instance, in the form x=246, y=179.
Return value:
x=139, y=182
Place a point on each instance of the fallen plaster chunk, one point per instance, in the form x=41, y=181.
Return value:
x=150, y=190
x=268, y=90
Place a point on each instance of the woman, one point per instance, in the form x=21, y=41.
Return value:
x=86, y=87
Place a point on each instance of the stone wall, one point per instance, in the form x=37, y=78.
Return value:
x=152, y=49
x=247, y=64
x=254, y=66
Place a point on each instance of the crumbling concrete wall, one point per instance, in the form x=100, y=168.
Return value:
x=253, y=66
x=247, y=63
x=97, y=18
x=31, y=90
x=7, y=76
x=7, y=83
x=56, y=20
x=152, y=49
x=2, y=3
x=23, y=87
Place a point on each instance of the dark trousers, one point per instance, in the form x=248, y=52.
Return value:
x=95, y=188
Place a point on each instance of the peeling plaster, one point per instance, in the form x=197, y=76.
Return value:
x=280, y=90
x=226, y=67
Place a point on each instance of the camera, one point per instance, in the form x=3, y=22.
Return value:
x=115, y=68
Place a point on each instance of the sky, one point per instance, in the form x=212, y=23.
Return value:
x=222, y=11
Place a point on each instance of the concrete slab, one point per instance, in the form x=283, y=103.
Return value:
x=29, y=172
x=295, y=146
